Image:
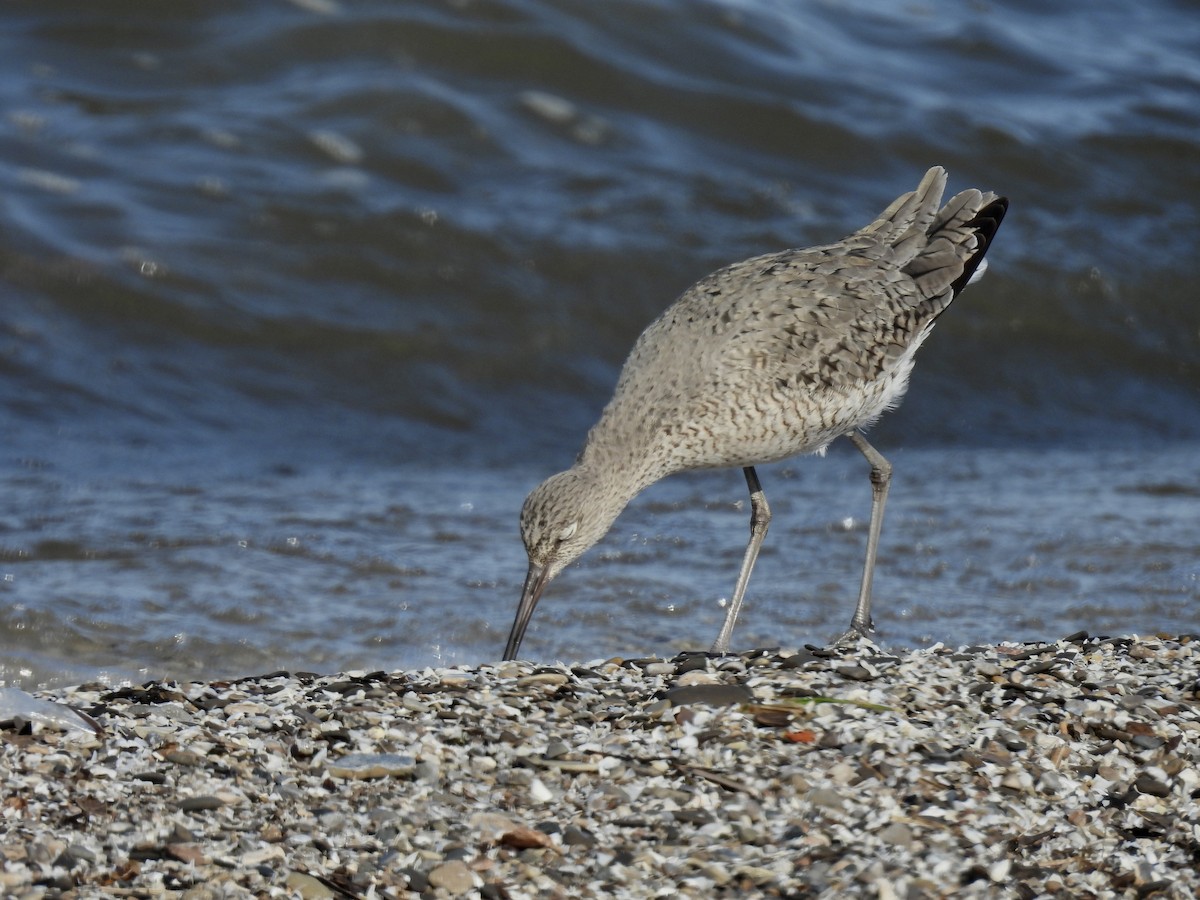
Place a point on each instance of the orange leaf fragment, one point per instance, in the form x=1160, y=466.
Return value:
x=802, y=736
x=524, y=838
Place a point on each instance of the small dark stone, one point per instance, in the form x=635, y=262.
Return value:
x=631, y=822
x=693, y=816
x=1041, y=667
x=1150, y=888
x=640, y=663
x=855, y=672
x=710, y=694
x=937, y=754
x=1120, y=797
x=1107, y=732
x=556, y=748
x=200, y=804
x=151, y=777
x=1146, y=784
x=759, y=652
x=62, y=882
x=1030, y=652
x=822, y=652
x=798, y=659
x=343, y=687
x=150, y=693
x=212, y=704
x=75, y=853
x=574, y=836
x=184, y=758
x=690, y=662
x=148, y=852
x=1163, y=823
x=418, y=881
x=974, y=873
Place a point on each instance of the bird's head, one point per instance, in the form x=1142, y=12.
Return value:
x=562, y=518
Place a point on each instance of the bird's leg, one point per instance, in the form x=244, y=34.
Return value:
x=760, y=518
x=881, y=476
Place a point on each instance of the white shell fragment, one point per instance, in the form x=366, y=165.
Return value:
x=20, y=707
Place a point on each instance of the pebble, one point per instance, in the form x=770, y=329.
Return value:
x=897, y=834
x=1060, y=769
x=454, y=876
x=200, y=804
x=710, y=694
x=307, y=887
x=372, y=765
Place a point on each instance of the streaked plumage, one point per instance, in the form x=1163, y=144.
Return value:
x=765, y=359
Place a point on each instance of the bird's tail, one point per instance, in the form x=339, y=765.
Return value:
x=905, y=225
x=959, y=238
x=942, y=250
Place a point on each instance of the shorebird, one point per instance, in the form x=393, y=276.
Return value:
x=764, y=359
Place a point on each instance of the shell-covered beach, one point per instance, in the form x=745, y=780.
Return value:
x=1068, y=769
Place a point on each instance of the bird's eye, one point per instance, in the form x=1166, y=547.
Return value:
x=566, y=533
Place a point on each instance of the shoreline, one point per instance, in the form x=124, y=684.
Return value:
x=1069, y=768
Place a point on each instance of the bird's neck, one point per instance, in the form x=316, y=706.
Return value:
x=618, y=469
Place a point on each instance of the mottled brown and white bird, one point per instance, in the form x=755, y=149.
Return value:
x=765, y=359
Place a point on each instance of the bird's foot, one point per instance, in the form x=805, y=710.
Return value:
x=856, y=634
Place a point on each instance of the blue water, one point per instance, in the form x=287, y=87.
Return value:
x=298, y=301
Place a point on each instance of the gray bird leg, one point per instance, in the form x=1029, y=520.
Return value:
x=760, y=518
x=881, y=477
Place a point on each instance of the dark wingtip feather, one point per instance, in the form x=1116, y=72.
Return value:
x=985, y=223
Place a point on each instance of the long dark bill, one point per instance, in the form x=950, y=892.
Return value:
x=535, y=583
